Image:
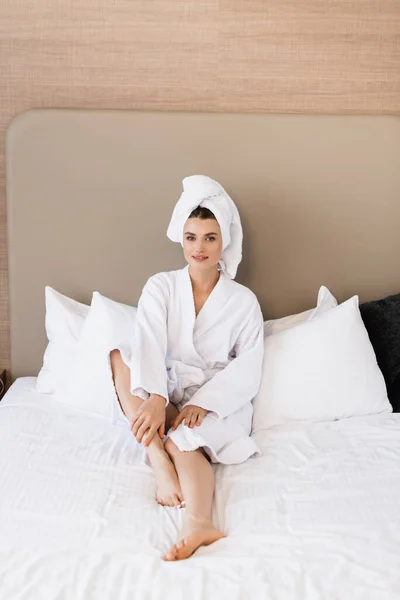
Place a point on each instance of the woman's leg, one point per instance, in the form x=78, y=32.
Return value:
x=169, y=491
x=197, y=482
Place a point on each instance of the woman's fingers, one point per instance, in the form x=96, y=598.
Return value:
x=149, y=435
x=136, y=423
x=187, y=418
x=142, y=430
x=135, y=418
x=193, y=418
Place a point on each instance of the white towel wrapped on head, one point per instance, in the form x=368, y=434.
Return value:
x=200, y=190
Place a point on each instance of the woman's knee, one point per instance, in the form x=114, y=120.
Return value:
x=115, y=357
x=119, y=369
x=118, y=366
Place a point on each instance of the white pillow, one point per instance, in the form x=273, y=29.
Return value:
x=109, y=325
x=322, y=370
x=325, y=302
x=64, y=322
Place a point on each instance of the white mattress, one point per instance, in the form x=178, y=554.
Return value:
x=316, y=517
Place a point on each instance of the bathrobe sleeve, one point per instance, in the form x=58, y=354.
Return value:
x=149, y=346
x=238, y=383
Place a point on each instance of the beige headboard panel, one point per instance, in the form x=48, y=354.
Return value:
x=90, y=194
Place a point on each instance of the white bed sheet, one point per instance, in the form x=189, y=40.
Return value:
x=316, y=517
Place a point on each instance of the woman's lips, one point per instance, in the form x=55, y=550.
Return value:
x=200, y=258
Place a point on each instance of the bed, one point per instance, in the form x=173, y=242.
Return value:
x=317, y=515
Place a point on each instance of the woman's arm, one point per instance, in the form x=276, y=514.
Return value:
x=238, y=383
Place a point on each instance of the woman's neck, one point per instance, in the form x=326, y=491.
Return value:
x=204, y=281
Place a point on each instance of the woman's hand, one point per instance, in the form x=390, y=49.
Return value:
x=148, y=419
x=191, y=416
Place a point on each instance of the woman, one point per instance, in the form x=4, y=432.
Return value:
x=195, y=362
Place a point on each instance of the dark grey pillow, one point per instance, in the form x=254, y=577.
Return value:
x=382, y=321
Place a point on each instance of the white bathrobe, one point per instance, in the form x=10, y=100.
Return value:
x=213, y=360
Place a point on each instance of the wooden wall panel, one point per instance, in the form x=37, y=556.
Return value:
x=307, y=56
x=215, y=55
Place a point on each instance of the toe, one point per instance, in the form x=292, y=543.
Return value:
x=171, y=555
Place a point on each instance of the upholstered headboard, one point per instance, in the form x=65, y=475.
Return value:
x=90, y=195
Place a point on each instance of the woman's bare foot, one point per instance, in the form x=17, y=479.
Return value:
x=169, y=491
x=189, y=544
x=197, y=531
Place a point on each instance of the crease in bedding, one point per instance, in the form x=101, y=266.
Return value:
x=316, y=516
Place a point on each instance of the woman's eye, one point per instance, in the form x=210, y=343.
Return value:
x=211, y=239
x=190, y=238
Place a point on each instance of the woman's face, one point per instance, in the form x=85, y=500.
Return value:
x=202, y=243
